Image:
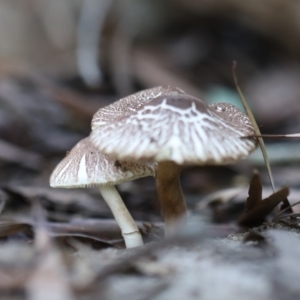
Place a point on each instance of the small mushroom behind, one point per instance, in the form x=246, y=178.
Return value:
x=85, y=166
x=176, y=130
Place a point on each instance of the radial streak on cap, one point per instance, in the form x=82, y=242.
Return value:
x=85, y=166
x=129, y=105
x=179, y=128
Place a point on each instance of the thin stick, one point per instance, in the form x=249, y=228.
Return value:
x=90, y=25
x=256, y=128
x=279, y=215
x=294, y=135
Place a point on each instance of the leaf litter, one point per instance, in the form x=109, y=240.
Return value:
x=84, y=256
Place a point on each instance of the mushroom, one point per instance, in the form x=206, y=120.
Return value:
x=175, y=130
x=85, y=166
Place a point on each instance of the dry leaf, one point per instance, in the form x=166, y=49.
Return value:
x=258, y=209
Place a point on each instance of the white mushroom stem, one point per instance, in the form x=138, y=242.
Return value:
x=130, y=231
x=170, y=194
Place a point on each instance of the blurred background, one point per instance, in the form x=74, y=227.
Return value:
x=62, y=60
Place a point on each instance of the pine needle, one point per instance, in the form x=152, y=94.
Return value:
x=256, y=128
x=294, y=135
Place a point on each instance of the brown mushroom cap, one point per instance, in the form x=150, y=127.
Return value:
x=179, y=128
x=128, y=105
x=85, y=166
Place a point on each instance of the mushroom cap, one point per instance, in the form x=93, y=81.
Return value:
x=179, y=128
x=86, y=166
x=128, y=105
